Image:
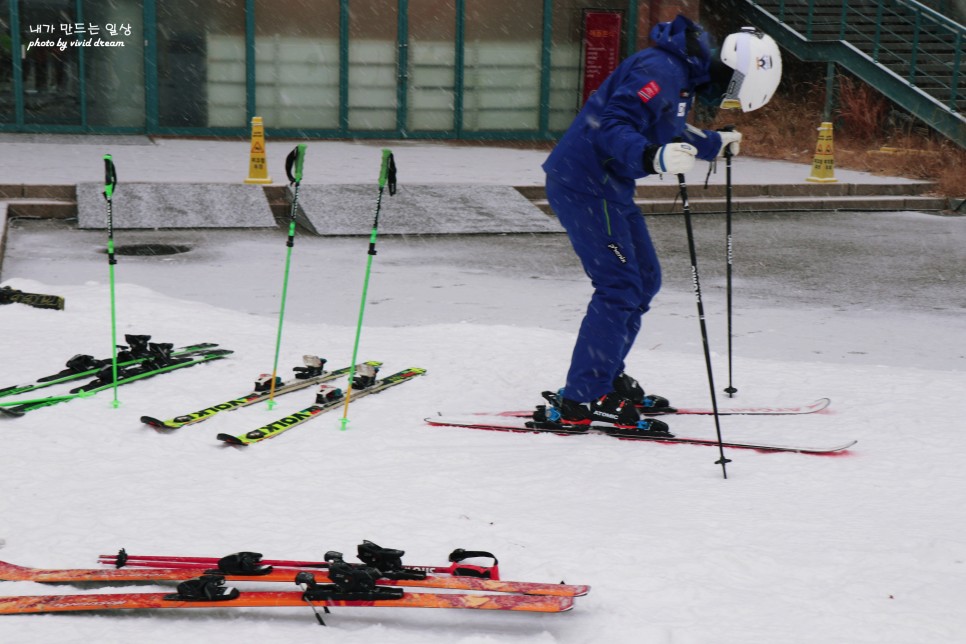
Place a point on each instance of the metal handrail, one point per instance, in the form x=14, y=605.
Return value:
x=875, y=32
x=908, y=51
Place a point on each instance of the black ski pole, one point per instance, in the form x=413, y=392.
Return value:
x=730, y=389
x=704, y=329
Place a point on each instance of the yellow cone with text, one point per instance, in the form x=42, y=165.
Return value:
x=823, y=164
x=257, y=163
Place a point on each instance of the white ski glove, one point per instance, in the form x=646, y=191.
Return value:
x=673, y=158
x=730, y=138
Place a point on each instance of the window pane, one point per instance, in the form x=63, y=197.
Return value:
x=432, y=59
x=372, y=65
x=502, y=65
x=51, y=82
x=201, y=63
x=297, y=63
x=6, y=65
x=114, y=68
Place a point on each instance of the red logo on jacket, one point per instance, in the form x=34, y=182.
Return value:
x=648, y=92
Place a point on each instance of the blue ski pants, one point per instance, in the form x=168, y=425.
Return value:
x=613, y=244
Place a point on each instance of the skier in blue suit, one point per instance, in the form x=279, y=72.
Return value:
x=635, y=125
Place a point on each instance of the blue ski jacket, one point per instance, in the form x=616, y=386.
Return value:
x=645, y=101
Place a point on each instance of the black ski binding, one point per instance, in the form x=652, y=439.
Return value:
x=82, y=362
x=349, y=582
x=265, y=383
x=327, y=394
x=314, y=366
x=137, y=347
x=242, y=563
x=365, y=376
x=387, y=561
x=207, y=588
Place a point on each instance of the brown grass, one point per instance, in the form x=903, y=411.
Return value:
x=864, y=123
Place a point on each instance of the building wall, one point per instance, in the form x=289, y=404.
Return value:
x=323, y=68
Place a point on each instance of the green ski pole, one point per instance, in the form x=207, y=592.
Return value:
x=110, y=183
x=293, y=168
x=387, y=174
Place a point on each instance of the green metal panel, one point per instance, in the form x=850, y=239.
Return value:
x=402, y=65
x=150, y=66
x=343, y=67
x=459, y=80
x=543, y=119
x=631, y=45
x=250, y=86
x=81, y=69
x=15, y=46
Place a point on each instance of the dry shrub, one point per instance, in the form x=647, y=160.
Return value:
x=862, y=111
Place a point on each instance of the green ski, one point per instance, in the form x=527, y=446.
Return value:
x=146, y=369
x=85, y=366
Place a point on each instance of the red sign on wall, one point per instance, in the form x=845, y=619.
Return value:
x=602, y=45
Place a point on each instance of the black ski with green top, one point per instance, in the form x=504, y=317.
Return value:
x=324, y=402
x=305, y=377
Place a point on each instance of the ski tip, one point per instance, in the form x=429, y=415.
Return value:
x=153, y=422
x=231, y=440
x=11, y=413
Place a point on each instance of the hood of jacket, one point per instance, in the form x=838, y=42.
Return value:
x=689, y=42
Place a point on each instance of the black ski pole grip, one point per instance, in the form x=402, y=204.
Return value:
x=391, y=177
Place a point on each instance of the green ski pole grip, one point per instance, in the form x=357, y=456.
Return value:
x=294, y=160
x=384, y=169
x=299, y=160
x=110, y=176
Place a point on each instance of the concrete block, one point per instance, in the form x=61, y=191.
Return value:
x=348, y=209
x=181, y=205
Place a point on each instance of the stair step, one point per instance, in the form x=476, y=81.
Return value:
x=42, y=209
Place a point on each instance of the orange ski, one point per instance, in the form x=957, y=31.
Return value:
x=12, y=572
x=126, y=601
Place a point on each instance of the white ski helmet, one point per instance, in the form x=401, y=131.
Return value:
x=757, y=64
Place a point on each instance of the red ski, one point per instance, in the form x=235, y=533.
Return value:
x=792, y=410
x=513, y=424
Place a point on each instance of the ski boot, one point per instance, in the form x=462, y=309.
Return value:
x=611, y=413
x=628, y=387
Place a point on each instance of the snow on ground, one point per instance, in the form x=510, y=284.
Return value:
x=864, y=547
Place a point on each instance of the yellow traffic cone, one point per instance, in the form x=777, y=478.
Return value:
x=823, y=164
x=257, y=164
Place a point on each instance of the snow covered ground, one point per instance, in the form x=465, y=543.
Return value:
x=866, y=547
